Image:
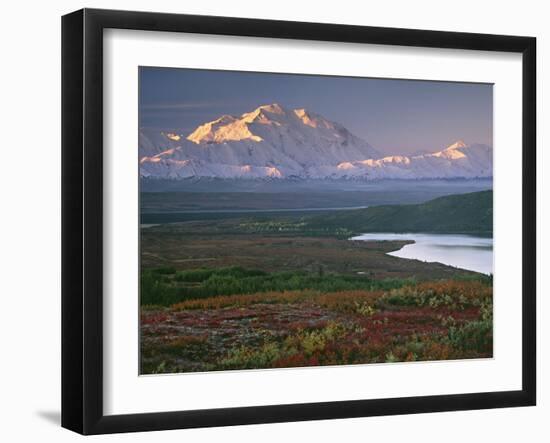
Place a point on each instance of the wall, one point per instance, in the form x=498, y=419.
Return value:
x=30, y=234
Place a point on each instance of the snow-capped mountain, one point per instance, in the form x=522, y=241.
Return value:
x=275, y=142
x=456, y=161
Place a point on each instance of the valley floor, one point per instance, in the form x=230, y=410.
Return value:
x=218, y=295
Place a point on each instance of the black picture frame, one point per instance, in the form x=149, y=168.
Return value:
x=82, y=218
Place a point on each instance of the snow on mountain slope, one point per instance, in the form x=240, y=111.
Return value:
x=457, y=161
x=274, y=142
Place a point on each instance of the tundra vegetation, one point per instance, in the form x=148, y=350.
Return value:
x=268, y=291
x=266, y=320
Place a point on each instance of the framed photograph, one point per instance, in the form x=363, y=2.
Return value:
x=269, y=221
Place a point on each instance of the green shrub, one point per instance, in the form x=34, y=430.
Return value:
x=161, y=288
x=154, y=291
x=195, y=275
x=472, y=336
x=165, y=270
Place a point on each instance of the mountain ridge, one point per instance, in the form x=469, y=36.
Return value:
x=272, y=142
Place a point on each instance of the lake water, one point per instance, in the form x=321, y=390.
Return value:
x=462, y=251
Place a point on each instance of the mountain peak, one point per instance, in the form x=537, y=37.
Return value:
x=457, y=145
x=266, y=114
x=265, y=121
x=274, y=108
x=226, y=128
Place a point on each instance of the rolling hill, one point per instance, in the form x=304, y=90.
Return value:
x=460, y=213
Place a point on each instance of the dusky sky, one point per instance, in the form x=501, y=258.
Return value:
x=394, y=116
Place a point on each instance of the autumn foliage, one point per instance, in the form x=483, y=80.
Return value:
x=436, y=320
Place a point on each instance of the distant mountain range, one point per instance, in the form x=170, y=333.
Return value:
x=273, y=142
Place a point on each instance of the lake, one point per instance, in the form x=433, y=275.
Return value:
x=462, y=251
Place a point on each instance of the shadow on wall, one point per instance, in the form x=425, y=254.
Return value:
x=54, y=417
